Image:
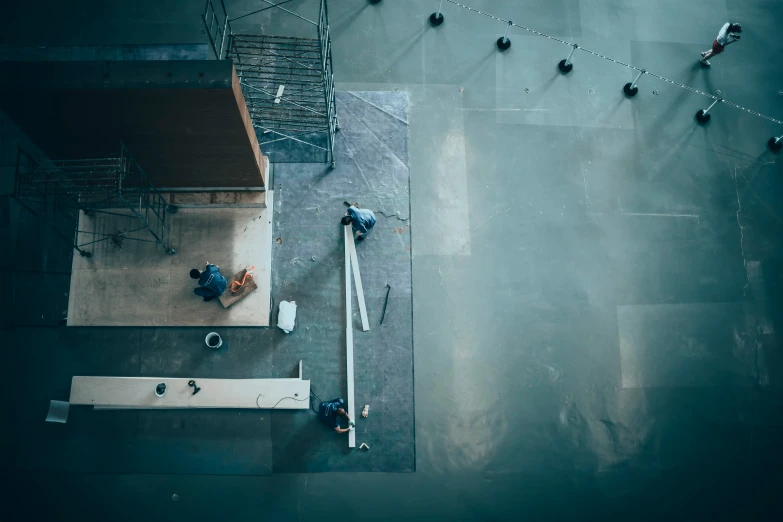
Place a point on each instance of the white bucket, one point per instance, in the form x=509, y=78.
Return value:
x=213, y=340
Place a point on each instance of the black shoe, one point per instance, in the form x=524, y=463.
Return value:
x=209, y=298
x=360, y=238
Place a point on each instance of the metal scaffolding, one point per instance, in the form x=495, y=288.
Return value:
x=288, y=82
x=114, y=186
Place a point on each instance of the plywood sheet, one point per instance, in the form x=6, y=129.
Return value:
x=228, y=298
x=140, y=285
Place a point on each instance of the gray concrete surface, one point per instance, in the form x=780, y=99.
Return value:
x=567, y=218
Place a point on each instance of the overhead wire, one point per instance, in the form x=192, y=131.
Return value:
x=618, y=62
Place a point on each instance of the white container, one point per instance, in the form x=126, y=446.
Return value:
x=286, y=316
x=213, y=340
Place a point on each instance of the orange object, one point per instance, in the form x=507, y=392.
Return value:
x=236, y=285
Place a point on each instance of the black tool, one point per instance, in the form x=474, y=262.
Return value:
x=196, y=389
x=388, y=289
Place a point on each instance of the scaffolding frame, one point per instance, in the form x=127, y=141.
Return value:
x=288, y=82
x=115, y=186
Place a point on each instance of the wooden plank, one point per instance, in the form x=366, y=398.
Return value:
x=228, y=298
x=349, y=330
x=357, y=278
x=139, y=392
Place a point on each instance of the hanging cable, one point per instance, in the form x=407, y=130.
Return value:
x=618, y=62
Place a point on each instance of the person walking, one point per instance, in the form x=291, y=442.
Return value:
x=729, y=33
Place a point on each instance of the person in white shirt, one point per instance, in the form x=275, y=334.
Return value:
x=728, y=33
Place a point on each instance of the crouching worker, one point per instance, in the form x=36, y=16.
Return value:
x=329, y=411
x=211, y=282
x=362, y=220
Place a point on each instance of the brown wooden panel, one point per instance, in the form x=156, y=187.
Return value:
x=185, y=122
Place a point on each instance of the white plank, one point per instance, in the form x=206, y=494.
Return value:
x=279, y=93
x=357, y=278
x=58, y=411
x=139, y=392
x=348, y=233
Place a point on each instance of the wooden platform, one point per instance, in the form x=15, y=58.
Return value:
x=139, y=393
x=228, y=298
x=140, y=285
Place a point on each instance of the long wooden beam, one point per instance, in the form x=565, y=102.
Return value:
x=139, y=393
x=357, y=279
x=348, y=233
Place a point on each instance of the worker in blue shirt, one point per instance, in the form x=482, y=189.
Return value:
x=329, y=411
x=362, y=219
x=211, y=282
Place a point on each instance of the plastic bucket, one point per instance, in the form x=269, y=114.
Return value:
x=213, y=340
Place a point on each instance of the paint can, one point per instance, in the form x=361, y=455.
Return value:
x=160, y=389
x=213, y=340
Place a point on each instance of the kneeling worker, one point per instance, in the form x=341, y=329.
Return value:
x=211, y=282
x=328, y=412
x=362, y=220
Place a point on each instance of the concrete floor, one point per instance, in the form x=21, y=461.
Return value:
x=595, y=279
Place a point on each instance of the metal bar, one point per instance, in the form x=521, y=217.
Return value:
x=633, y=84
x=77, y=245
x=283, y=99
x=263, y=9
x=245, y=37
x=300, y=134
x=291, y=13
x=292, y=138
x=711, y=106
x=99, y=211
x=573, y=50
x=323, y=49
x=300, y=95
x=508, y=28
x=223, y=38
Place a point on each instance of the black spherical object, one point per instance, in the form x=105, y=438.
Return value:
x=503, y=43
x=775, y=145
x=436, y=19
x=630, y=91
x=564, y=67
x=702, y=117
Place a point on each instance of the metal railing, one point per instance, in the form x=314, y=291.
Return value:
x=287, y=82
x=116, y=186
